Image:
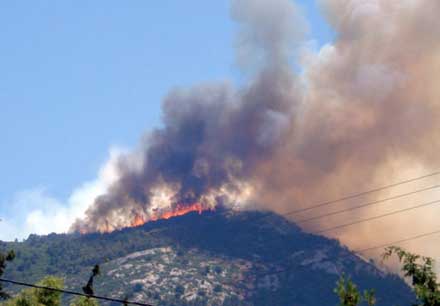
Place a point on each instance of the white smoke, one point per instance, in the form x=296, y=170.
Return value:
x=35, y=211
x=363, y=113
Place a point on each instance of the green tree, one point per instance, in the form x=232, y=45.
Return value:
x=39, y=297
x=369, y=297
x=84, y=301
x=347, y=291
x=4, y=258
x=349, y=295
x=49, y=297
x=421, y=272
x=25, y=298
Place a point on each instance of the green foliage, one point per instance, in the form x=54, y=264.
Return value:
x=3, y=259
x=25, y=298
x=369, y=297
x=37, y=297
x=421, y=272
x=418, y=268
x=84, y=301
x=219, y=239
x=349, y=295
x=49, y=297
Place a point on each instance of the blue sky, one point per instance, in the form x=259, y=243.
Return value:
x=80, y=77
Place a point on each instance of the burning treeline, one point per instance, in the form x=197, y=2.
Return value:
x=359, y=112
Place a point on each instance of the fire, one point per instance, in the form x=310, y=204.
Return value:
x=138, y=221
x=180, y=210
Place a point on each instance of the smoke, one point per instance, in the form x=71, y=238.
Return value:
x=268, y=33
x=362, y=113
x=213, y=135
x=45, y=213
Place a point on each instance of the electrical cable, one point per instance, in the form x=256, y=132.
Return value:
x=72, y=292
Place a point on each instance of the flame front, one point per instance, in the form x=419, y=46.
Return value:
x=180, y=210
x=138, y=221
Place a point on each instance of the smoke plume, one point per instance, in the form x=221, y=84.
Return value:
x=363, y=111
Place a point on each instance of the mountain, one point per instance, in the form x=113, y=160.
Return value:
x=214, y=258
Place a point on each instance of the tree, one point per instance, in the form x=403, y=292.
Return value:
x=349, y=295
x=25, y=298
x=49, y=297
x=3, y=259
x=347, y=291
x=421, y=272
x=37, y=297
x=84, y=301
x=370, y=297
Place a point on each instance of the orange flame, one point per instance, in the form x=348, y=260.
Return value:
x=180, y=210
x=138, y=221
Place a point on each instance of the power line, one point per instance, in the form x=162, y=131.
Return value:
x=384, y=215
x=376, y=217
x=366, y=249
x=366, y=204
x=352, y=196
x=356, y=195
x=397, y=242
x=368, y=219
x=293, y=212
x=73, y=292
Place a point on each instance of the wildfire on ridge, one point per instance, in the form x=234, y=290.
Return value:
x=180, y=210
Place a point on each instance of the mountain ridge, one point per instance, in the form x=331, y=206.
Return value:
x=215, y=258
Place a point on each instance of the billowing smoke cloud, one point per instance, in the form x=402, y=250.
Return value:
x=213, y=135
x=363, y=111
x=45, y=214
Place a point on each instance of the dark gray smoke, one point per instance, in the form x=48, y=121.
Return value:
x=360, y=109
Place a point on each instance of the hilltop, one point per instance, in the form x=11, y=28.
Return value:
x=215, y=258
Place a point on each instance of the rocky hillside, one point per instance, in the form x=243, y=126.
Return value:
x=217, y=258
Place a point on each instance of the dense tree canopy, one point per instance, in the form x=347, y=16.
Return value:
x=37, y=297
x=9, y=256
